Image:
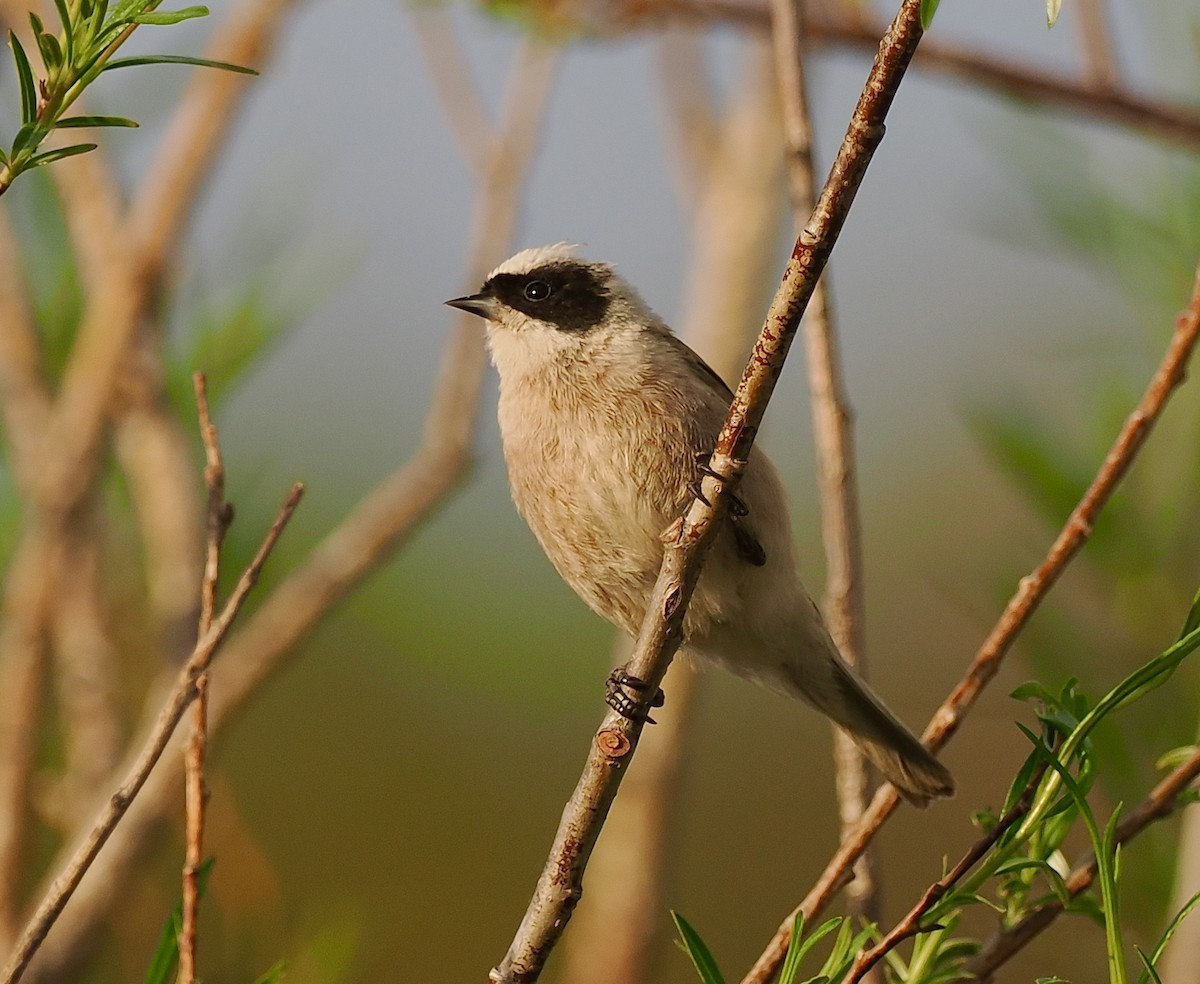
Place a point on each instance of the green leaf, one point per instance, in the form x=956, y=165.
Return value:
x=928, y=9
x=1174, y=758
x=59, y=153
x=1163, y=940
x=175, y=60
x=694, y=947
x=52, y=54
x=25, y=80
x=1053, y=9
x=1149, y=974
x=791, y=963
x=272, y=976
x=64, y=15
x=81, y=121
x=169, y=16
x=818, y=934
x=1192, y=622
x=165, y=959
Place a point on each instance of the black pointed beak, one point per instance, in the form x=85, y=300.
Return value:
x=483, y=305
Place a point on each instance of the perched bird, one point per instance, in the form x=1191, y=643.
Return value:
x=606, y=418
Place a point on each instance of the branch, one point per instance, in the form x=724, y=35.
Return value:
x=1030, y=593
x=218, y=516
x=183, y=693
x=910, y=925
x=1162, y=801
x=560, y=884
x=833, y=428
x=1156, y=118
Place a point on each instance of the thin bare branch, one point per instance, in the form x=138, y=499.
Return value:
x=560, y=884
x=1030, y=593
x=1162, y=802
x=1099, y=56
x=218, y=516
x=1158, y=118
x=450, y=72
x=181, y=696
x=833, y=428
x=692, y=120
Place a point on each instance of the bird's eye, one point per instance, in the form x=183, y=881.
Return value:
x=537, y=290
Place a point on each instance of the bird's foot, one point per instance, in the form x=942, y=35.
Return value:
x=616, y=695
x=704, y=467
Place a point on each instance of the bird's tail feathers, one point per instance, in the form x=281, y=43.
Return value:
x=898, y=755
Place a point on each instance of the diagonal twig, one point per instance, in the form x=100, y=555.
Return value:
x=182, y=694
x=1030, y=593
x=560, y=884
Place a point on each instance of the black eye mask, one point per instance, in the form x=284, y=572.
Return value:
x=570, y=296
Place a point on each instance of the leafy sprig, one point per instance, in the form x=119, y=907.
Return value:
x=92, y=31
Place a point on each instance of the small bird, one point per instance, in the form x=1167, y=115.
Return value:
x=607, y=420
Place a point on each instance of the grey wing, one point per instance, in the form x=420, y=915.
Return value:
x=747, y=544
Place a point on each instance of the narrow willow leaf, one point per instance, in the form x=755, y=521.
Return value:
x=176, y=60
x=64, y=15
x=78, y=121
x=169, y=16
x=1053, y=9
x=25, y=80
x=272, y=976
x=928, y=9
x=694, y=947
x=30, y=135
x=52, y=53
x=791, y=963
x=59, y=153
x=1163, y=940
x=1193, y=619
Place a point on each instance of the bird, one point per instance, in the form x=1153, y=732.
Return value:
x=607, y=420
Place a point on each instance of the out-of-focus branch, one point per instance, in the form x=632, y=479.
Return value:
x=1030, y=593
x=1100, y=59
x=450, y=73
x=735, y=223
x=560, y=884
x=1162, y=802
x=692, y=122
x=833, y=428
x=1157, y=118
x=181, y=696
x=374, y=530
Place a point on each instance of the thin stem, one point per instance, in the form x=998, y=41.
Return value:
x=1031, y=590
x=182, y=694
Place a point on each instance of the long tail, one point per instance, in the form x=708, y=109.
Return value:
x=892, y=748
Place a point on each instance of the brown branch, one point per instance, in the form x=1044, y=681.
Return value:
x=1162, y=801
x=560, y=884
x=833, y=428
x=183, y=693
x=218, y=516
x=1100, y=59
x=910, y=925
x=693, y=127
x=735, y=215
x=365, y=539
x=1152, y=117
x=1030, y=593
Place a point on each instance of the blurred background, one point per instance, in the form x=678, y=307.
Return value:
x=1004, y=287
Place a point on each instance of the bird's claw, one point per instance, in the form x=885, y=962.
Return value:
x=704, y=467
x=630, y=706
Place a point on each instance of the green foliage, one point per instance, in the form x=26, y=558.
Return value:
x=1026, y=866
x=928, y=9
x=90, y=34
